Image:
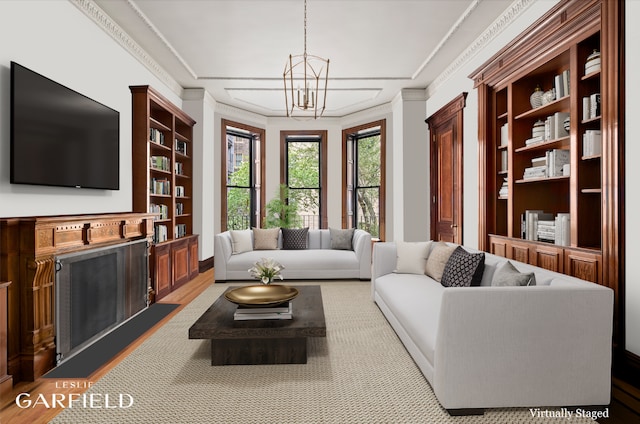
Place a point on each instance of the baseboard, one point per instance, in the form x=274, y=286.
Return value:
x=205, y=265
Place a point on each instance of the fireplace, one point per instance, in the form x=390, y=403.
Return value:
x=96, y=291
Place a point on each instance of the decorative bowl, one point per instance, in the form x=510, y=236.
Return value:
x=593, y=63
x=262, y=295
x=549, y=96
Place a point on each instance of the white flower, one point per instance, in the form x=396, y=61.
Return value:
x=266, y=270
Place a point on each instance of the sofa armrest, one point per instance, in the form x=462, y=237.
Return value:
x=525, y=346
x=384, y=259
x=221, y=254
x=362, y=247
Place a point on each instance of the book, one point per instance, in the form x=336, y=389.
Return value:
x=563, y=229
x=504, y=134
x=556, y=159
x=276, y=312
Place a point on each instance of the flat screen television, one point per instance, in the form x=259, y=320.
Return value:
x=60, y=137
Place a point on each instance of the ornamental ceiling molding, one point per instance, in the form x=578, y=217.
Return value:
x=515, y=10
x=100, y=18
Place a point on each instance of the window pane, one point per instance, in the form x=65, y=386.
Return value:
x=368, y=211
x=304, y=164
x=369, y=161
x=308, y=201
x=238, y=208
x=238, y=160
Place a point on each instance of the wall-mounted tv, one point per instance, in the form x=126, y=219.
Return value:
x=60, y=137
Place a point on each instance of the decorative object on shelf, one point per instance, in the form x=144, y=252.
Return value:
x=538, y=129
x=548, y=96
x=261, y=295
x=266, y=270
x=567, y=124
x=536, y=97
x=308, y=99
x=593, y=62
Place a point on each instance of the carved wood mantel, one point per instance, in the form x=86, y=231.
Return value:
x=28, y=247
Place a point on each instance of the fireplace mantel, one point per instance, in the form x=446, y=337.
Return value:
x=28, y=247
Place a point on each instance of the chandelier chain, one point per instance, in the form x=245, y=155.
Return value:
x=305, y=28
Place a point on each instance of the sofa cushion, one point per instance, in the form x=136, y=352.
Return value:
x=412, y=257
x=341, y=239
x=463, y=269
x=508, y=275
x=294, y=238
x=265, y=238
x=440, y=253
x=241, y=241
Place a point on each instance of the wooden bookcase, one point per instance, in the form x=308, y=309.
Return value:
x=163, y=184
x=557, y=44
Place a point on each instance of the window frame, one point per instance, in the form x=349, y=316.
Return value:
x=284, y=166
x=353, y=133
x=258, y=135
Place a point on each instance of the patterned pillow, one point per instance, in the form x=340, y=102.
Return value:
x=265, y=238
x=437, y=260
x=463, y=269
x=294, y=238
x=508, y=275
x=341, y=239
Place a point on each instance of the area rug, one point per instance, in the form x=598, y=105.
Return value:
x=359, y=373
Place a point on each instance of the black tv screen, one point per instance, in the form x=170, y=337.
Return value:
x=60, y=137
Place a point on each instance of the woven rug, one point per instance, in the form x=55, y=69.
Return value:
x=359, y=373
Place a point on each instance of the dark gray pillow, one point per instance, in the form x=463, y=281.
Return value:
x=508, y=275
x=341, y=239
x=463, y=269
x=294, y=238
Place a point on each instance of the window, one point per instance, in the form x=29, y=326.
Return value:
x=363, y=195
x=242, y=176
x=304, y=171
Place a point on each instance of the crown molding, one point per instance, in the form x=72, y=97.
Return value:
x=511, y=14
x=101, y=19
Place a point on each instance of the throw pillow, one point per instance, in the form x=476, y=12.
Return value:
x=341, y=239
x=508, y=275
x=437, y=260
x=463, y=269
x=265, y=238
x=294, y=238
x=241, y=241
x=412, y=257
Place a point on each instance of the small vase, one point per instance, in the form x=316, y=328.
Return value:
x=536, y=97
x=593, y=63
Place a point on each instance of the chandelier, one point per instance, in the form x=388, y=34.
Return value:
x=305, y=82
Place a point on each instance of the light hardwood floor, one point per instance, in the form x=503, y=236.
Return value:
x=12, y=414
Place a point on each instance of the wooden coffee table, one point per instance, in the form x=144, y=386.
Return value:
x=256, y=342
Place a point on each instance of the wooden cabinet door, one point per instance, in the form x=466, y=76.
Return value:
x=499, y=246
x=549, y=257
x=521, y=252
x=584, y=265
x=161, y=268
x=193, y=258
x=180, y=262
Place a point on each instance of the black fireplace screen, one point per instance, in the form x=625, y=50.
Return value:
x=96, y=291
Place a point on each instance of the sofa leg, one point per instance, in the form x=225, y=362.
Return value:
x=465, y=411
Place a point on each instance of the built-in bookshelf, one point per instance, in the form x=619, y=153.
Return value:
x=547, y=120
x=163, y=185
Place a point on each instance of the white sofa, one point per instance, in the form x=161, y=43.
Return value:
x=318, y=261
x=485, y=347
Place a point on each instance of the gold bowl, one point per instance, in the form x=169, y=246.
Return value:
x=261, y=295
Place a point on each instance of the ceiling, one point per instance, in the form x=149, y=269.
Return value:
x=237, y=49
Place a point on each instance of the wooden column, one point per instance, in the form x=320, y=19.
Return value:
x=6, y=381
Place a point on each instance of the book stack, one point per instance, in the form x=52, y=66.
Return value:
x=554, y=126
x=563, y=229
x=180, y=230
x=159, y=162
x=160, y=233
x=181, y=147
x=561, y=84
x=282, y=311
x=556, y=160
x=180, y=191
x=504, y=135
x=504, y=158
x=529, y=223
x=179, y=168
x=163, y=210
x=535, y=172
x=592, y=143
x=160, y=186
x=546, y=230
x=504, y=190
x=591, y=106
x=156, y=136
x=179, y=208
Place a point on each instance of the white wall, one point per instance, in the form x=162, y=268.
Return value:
x=57, y=40
x=632, y=197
